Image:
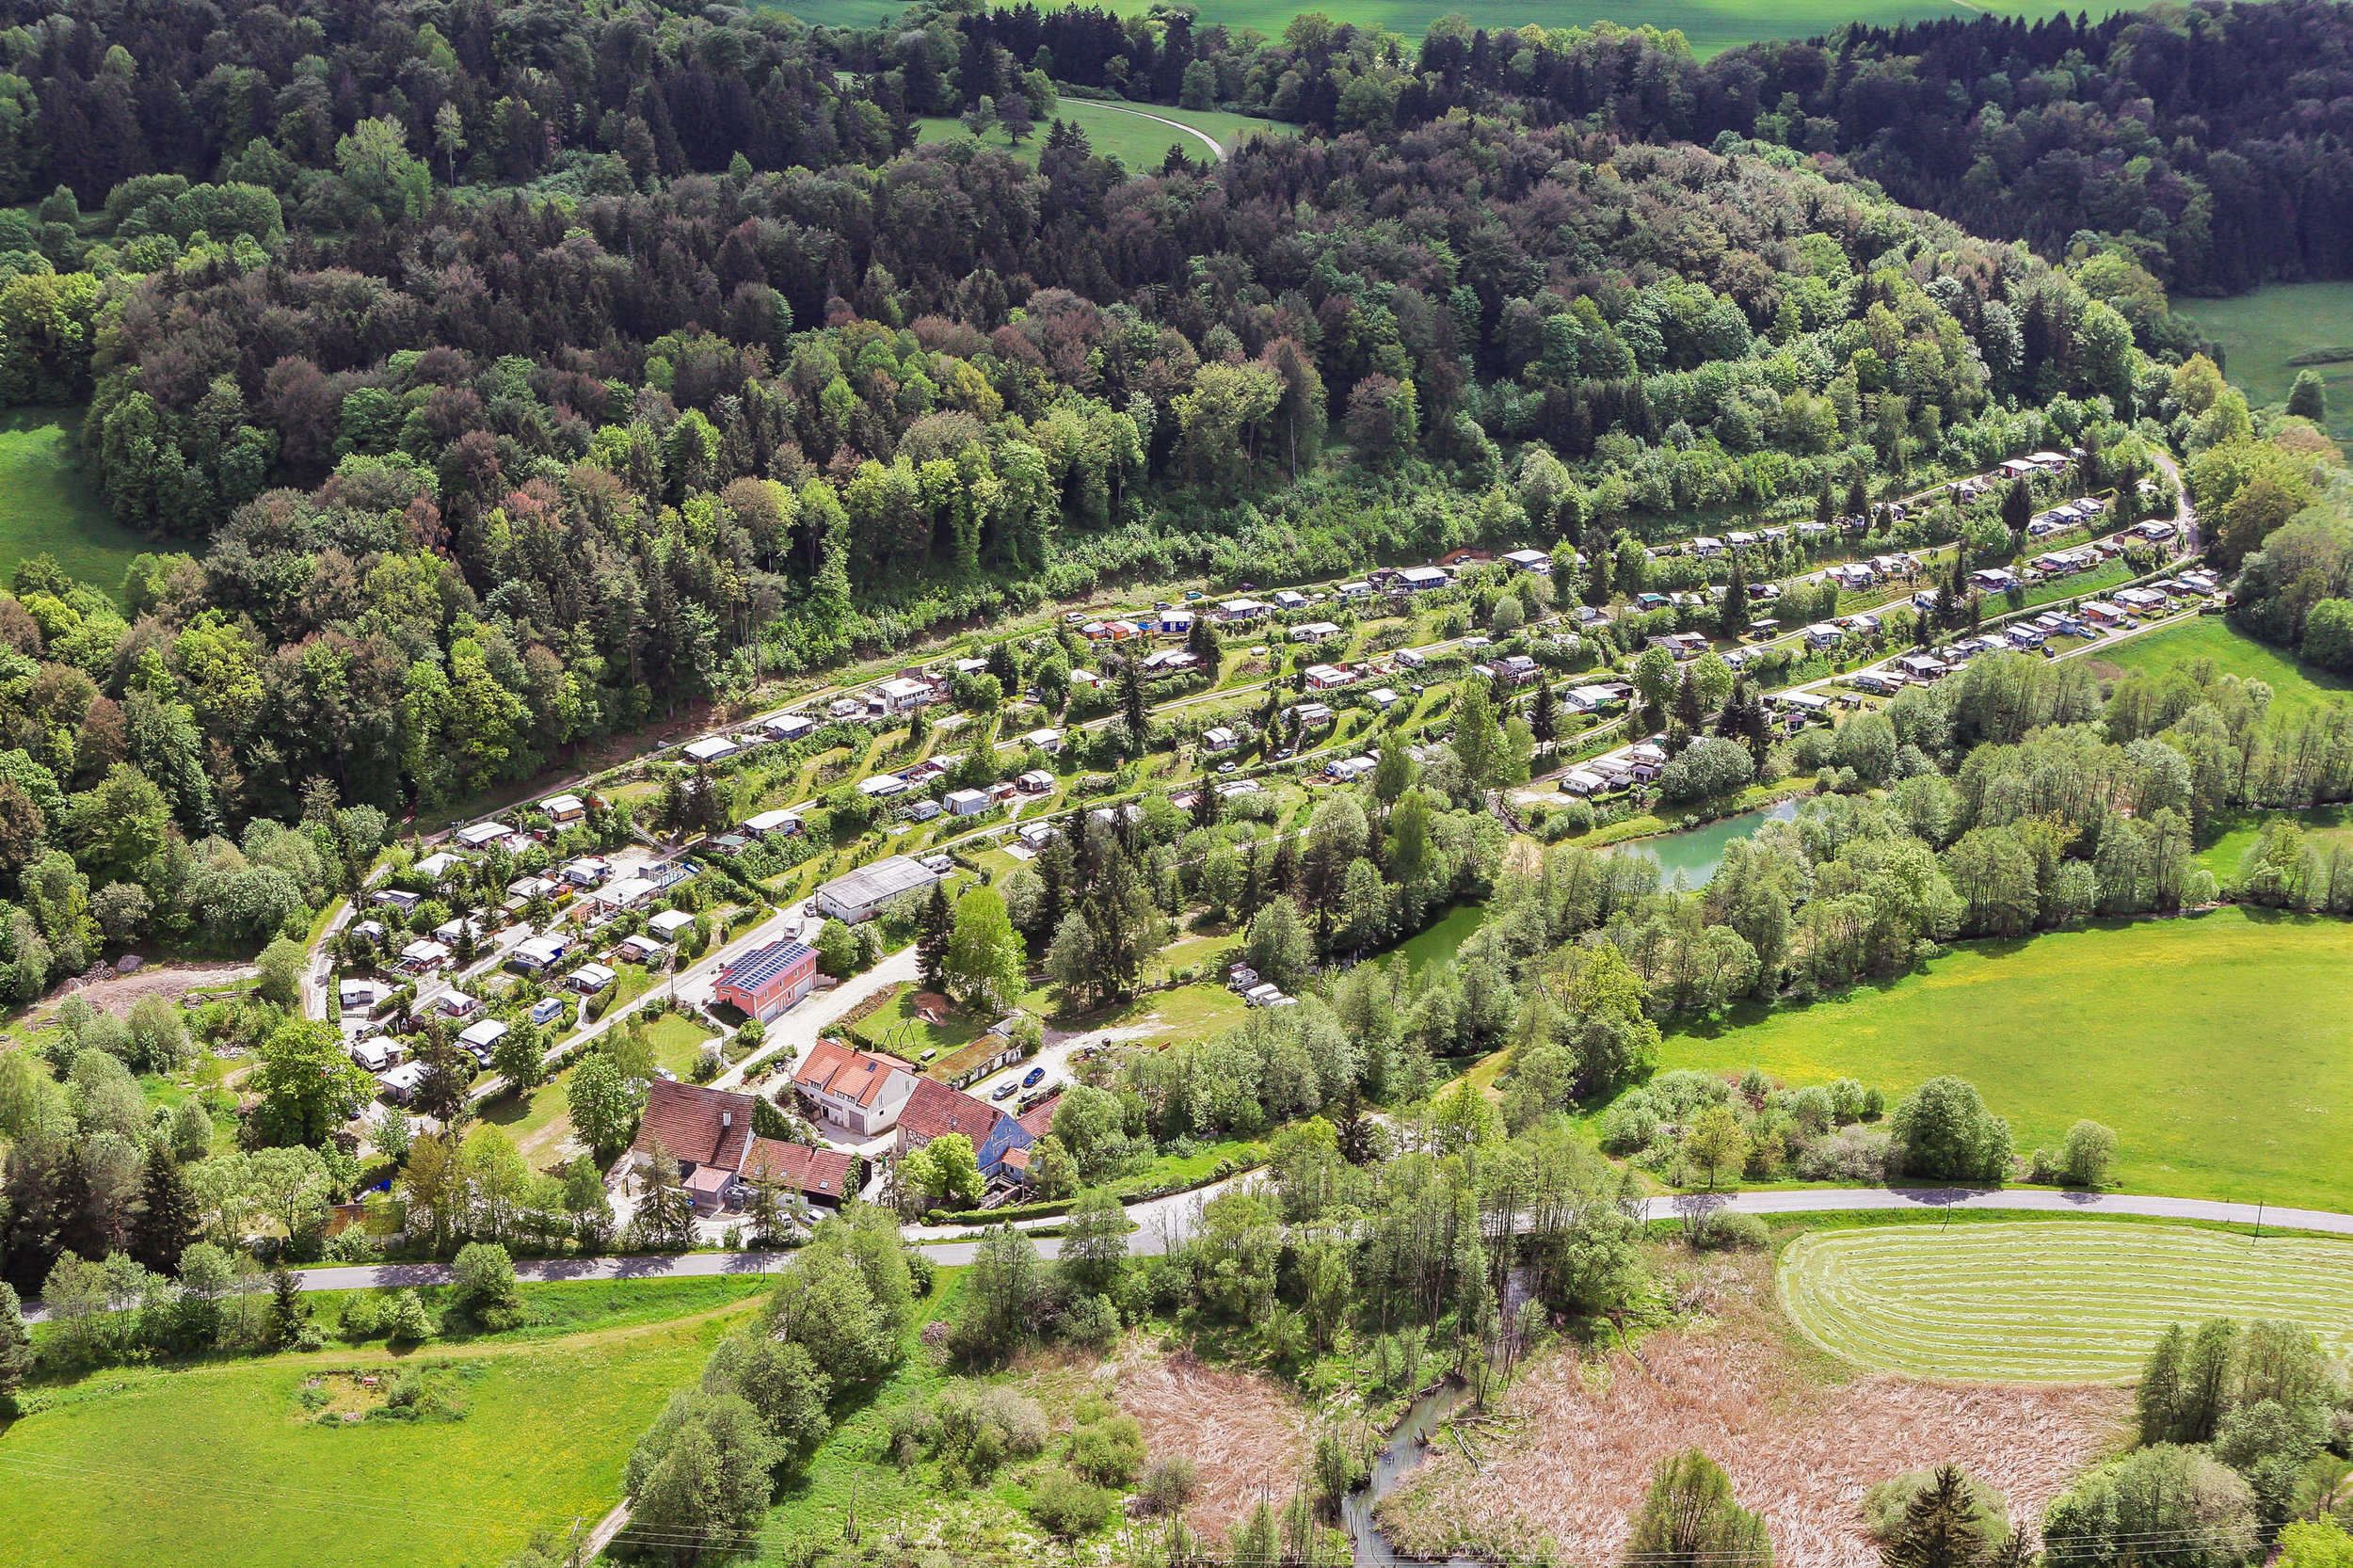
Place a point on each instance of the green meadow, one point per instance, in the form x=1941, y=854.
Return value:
x=2219, y=1047
x=45, y=505
x=1133, y=133
x=1711, y=25
x=2260, y=332
x=2296, y=687
x=247, y=1473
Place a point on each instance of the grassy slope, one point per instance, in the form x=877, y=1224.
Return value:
x=1140, y=142
x=1710, y=25
x=2258, y=331
x=2296, y=687
x=45, y=505
x=2216, y=1047
x=251, y=1481
x=2039, y=1302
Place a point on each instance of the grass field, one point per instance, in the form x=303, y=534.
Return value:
x=2045, y=1302
x=221, y=1464
x=1710, y=25
x=2231, y=837
x=2296, y=687
x=45, y=505
x=2218, y=1048
x=2259, y=331
x=1129, y=132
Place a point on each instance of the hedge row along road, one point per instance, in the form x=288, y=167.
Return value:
x=1163, y=1222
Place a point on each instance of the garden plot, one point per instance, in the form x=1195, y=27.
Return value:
x=2050, y=1302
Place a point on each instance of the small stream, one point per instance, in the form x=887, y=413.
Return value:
x=1398, y=1457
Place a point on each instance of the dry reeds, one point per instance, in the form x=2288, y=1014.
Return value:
x=1800, y=1453
x=1245, y=1437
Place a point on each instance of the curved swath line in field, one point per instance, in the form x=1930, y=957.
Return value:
x=2047, y=1301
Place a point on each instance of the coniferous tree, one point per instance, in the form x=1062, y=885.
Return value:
x=1133, y=707
x=1205, y=802
x=1941, y=1527
x=931, y=939
x=2156, y=1398
x=16, y=1347
x=167, y=1220
x=287, y=1312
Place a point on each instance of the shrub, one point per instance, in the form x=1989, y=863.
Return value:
x=1853, y=1153
x=361, y=1320
x=1068, y=1507
x=1168, y=1483
x=405, y=1321
x=1090, y=1322
x=482, y=1283
x=1109, y=1451
x=1946, y=1132
x=1725, y=1231
x=1884, y=1504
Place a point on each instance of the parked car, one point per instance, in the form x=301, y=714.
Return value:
x=1005, y=1090
x=1031, y=1080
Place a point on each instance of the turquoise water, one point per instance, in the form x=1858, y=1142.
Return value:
x=1442, y=941
x=1694, y=853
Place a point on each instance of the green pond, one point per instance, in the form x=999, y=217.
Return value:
x=1694, y=853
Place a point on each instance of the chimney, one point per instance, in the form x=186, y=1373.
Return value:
x=727, y=1119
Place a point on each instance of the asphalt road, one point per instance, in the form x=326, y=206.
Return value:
x=1164, y=1220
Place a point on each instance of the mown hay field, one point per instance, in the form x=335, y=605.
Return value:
x=2072, y=1300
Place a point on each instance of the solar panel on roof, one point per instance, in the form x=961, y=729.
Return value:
x=758, y=969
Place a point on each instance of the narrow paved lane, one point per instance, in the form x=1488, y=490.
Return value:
x=1162, y=1220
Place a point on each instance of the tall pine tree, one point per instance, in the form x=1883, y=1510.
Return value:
x=931, y=939
x=167, y=1218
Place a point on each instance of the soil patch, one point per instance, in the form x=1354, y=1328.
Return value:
x=117, y=994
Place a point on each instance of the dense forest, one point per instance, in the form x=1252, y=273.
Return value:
x=466, y=474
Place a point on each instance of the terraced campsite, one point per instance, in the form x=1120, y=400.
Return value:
x=2071, y=1301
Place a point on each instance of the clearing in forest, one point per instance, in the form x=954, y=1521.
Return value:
x=2072, y=1300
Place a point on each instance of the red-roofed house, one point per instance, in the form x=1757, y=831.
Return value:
x=857, y=1089
x=935, y=1109
x=708, y=1132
